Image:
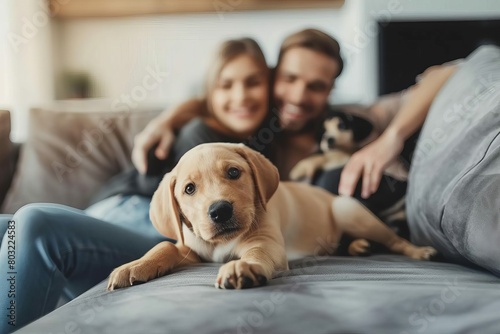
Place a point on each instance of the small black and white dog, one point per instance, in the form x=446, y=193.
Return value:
x=347, y=129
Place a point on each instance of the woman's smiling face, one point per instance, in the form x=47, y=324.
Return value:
x=240, y=98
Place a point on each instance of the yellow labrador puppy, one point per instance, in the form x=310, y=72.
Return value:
x=224, y=203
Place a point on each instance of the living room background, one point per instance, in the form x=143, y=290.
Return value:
x=114, y=54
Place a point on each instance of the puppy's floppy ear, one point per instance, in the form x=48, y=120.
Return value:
x=361, y=128
x=265, y=175
x=164, y=210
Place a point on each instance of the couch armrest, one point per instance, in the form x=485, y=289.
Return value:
x=8, y=154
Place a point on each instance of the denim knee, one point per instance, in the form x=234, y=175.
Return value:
x=31, y=221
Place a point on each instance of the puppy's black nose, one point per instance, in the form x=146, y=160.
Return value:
x=220, y=211
x=331, y=142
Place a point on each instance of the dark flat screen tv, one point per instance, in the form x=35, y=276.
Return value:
x=406, y=49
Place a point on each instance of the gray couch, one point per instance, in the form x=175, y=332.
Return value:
x=72, y=148
x=453, y=204
x=9, y=154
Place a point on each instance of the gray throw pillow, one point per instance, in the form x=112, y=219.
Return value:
x=453, y=197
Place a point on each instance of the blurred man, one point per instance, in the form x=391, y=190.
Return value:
x=308, y=64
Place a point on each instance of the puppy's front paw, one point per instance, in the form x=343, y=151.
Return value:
x=239, y=274
x=424, y=253
x=133, y=273
x=360, y=247
x=304, y=170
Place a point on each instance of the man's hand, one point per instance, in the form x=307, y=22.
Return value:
x=158, y=131
x=370, y=163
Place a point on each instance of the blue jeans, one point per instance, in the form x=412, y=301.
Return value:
x=60, y=249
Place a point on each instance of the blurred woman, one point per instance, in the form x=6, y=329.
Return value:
x=59, y=249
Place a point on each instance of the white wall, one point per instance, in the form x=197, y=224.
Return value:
x=26, y=63
x=117, y=52
x=120, y=52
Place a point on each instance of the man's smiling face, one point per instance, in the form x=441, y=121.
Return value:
x=304, y=79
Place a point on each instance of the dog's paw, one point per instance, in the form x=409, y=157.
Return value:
x=360, y=247
x=239, y=274
x=133, y=273
x=302, y=171
x=424, y=253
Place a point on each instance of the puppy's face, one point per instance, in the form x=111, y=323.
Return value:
x=338, y=134
x=344, y=131
x=217, y=191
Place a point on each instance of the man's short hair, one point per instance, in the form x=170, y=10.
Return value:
x=315, y=40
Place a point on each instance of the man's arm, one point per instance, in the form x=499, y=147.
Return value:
x=161, y=131
x=370, y=162
x=417, y=102
x=384, y=109
x=185, y=112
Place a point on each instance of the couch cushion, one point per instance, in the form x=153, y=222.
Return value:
x=453, y=198
x=379, y=294
x=72, y=149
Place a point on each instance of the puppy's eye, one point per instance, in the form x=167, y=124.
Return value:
x=233, y=173
x=190, y=189
x=342, y=126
